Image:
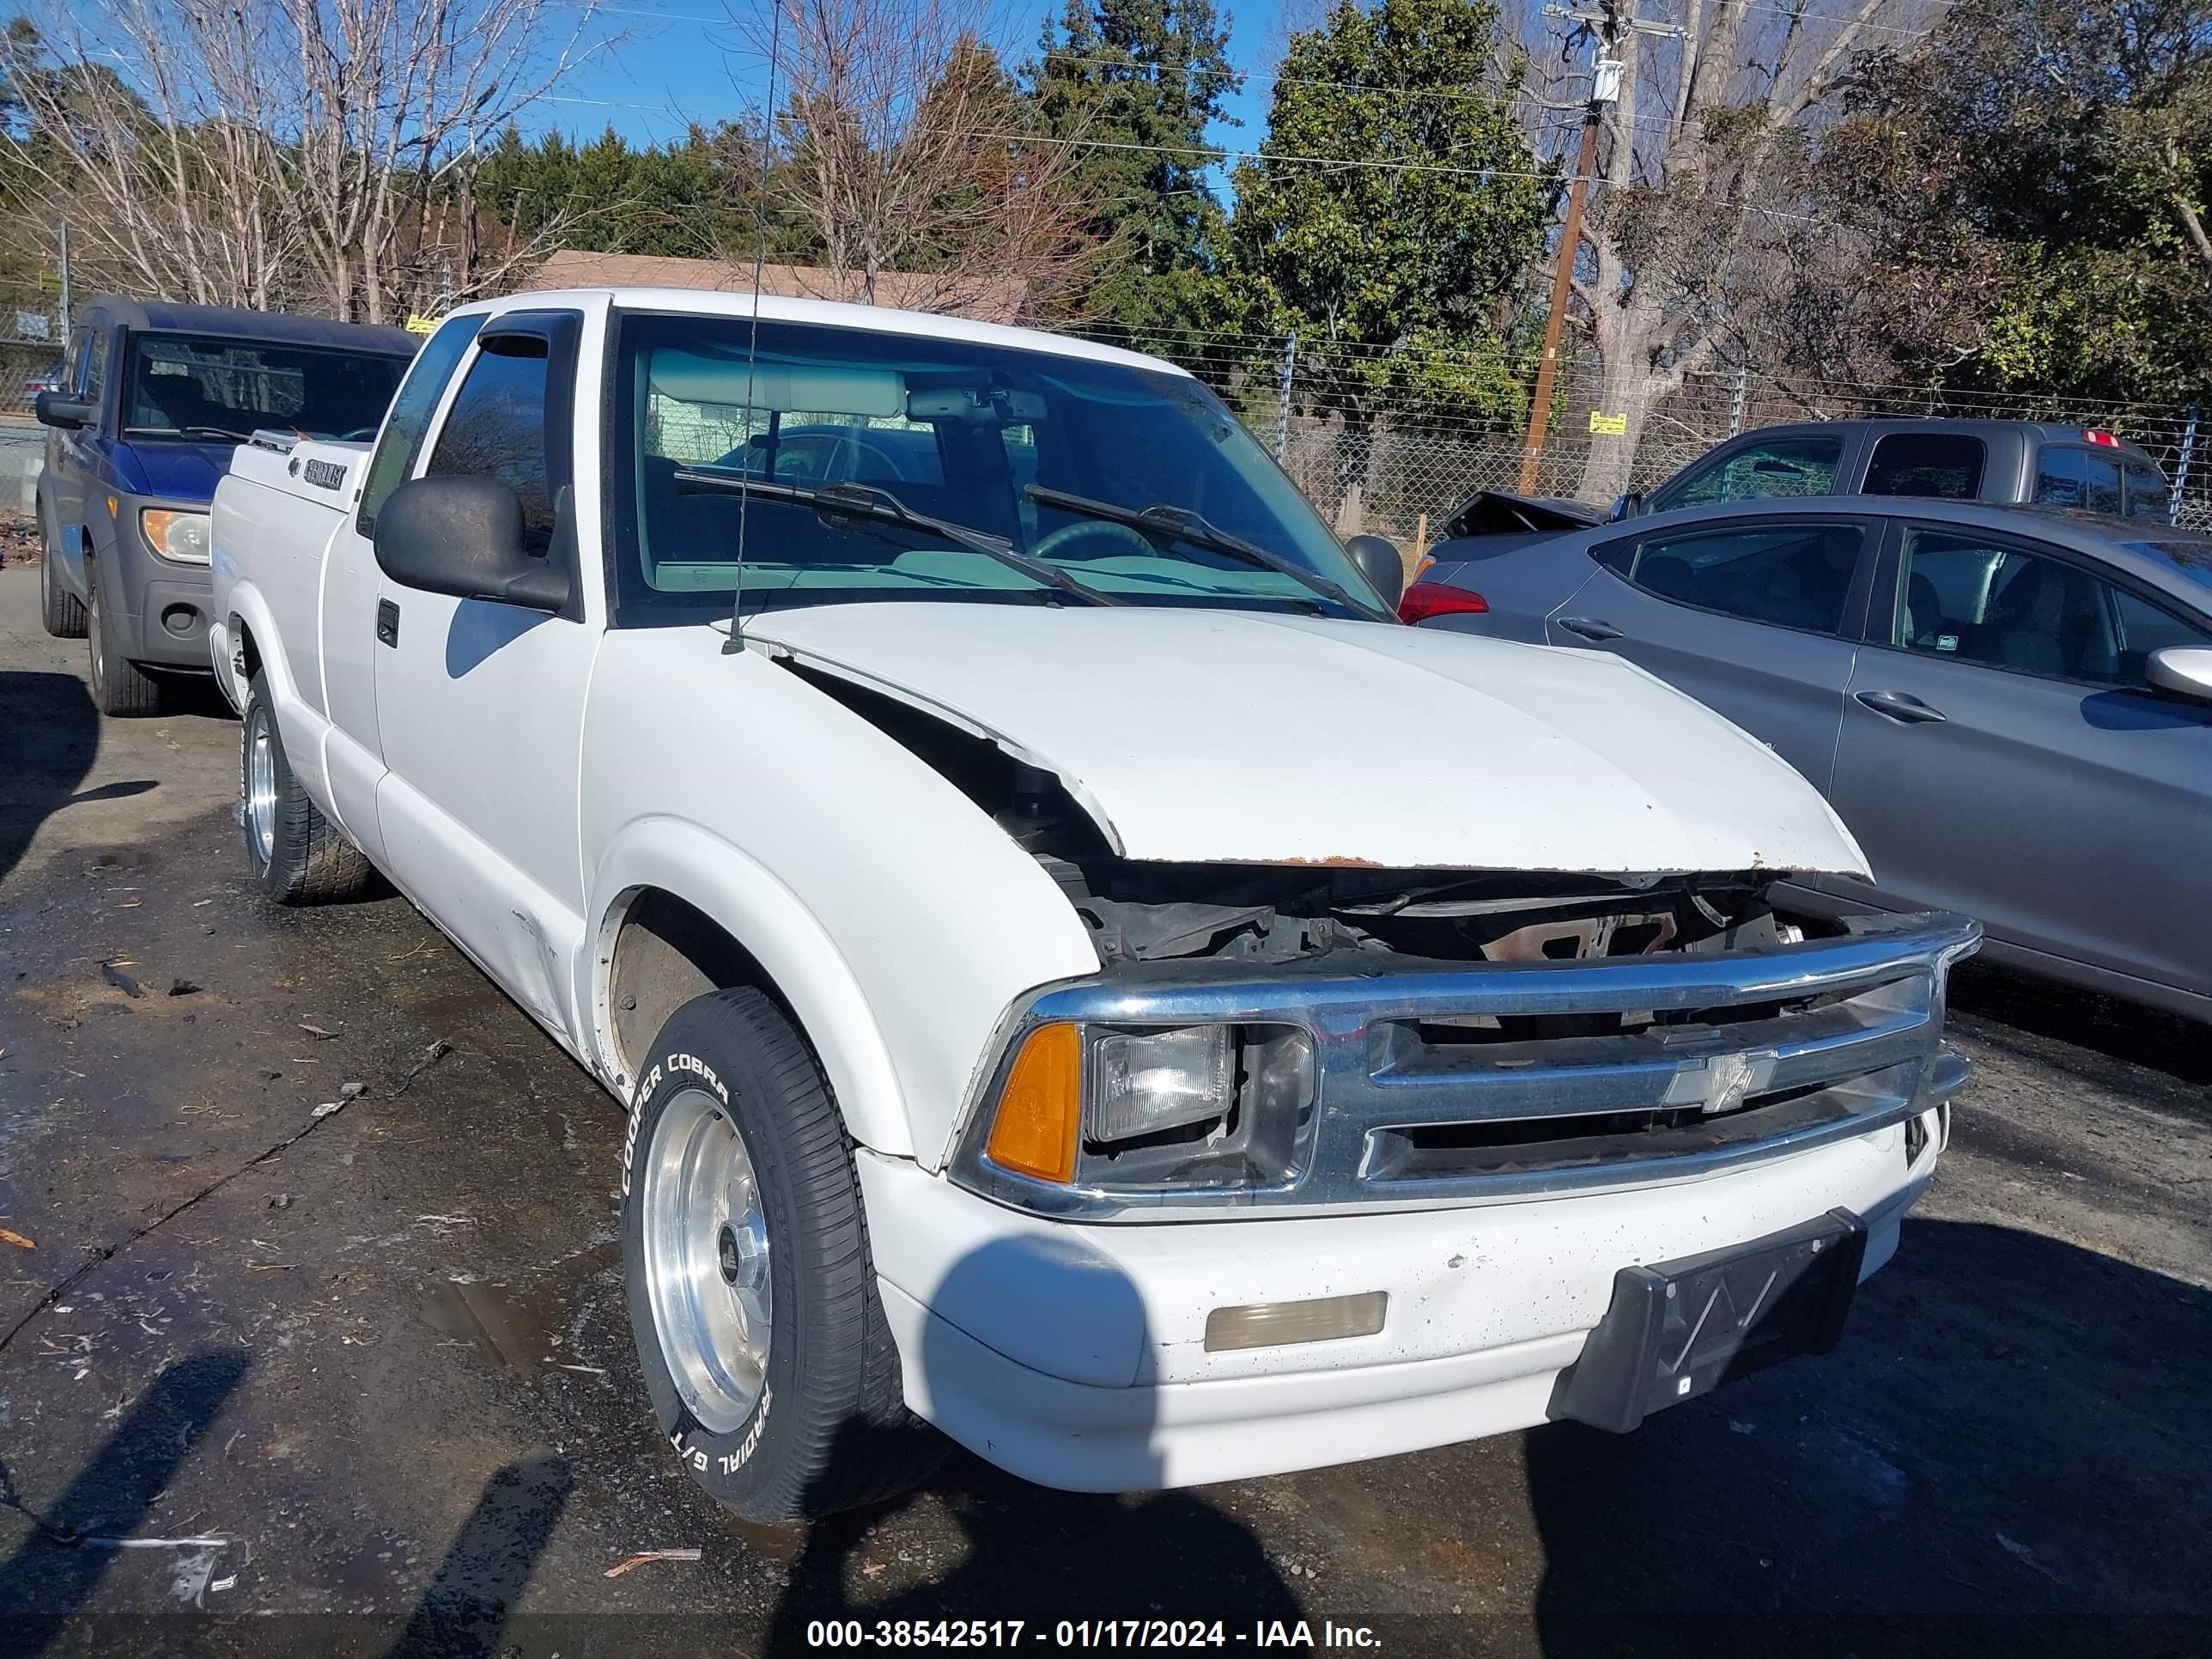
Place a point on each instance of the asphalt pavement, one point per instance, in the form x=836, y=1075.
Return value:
x=312, y=1339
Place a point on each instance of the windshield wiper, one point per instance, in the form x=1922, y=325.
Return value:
x=865, y=500
x=1160, y=522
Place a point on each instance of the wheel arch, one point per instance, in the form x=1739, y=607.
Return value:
x=681, y=912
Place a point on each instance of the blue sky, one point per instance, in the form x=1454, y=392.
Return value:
x=681, y=60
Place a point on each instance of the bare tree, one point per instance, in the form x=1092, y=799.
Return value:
x=313, y=154
x=1691, y=206
x=908, y=151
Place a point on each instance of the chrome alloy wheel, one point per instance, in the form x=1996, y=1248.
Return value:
x=705, y=1251
x=260, y=787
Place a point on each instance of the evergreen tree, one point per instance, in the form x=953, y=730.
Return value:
x=1151, y=75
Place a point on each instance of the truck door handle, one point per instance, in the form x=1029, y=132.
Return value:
x=1589, y=627
x=387, y=622
x=1900, y=706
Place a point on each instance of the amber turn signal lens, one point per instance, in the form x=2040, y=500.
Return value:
x=1041, y=1106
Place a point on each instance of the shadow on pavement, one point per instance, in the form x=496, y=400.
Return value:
x=488, y=1563
x=58, y=1566
x=1029, y=1553
x=2007, y=1454
x=2041, y=1019
x=49, y=734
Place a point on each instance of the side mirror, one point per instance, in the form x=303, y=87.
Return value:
x=2184, y=670
x=54, y=408
x=1625, y=506
x=1380, y=561
x=461, y=533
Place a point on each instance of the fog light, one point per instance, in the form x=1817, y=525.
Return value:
x=179, y=619
x=1141, y=1084
x=1279, y=1324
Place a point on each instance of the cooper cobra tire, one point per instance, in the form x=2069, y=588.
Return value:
x=752, y=1295
x=61, y=610
x=298, y=855
x=119, y=686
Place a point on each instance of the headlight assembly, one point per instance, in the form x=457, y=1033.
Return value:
x=180, y=537
x=1114, y=1108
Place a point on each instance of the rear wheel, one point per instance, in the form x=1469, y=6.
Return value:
x=119, y=686
x=752, y=1295
x=61, y=610
x=298, y=855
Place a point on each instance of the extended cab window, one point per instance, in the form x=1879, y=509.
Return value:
x=412, y=410
x=1770, y=467
x=1944, y=464
x=1986, y=601
x=1795, y=575
x=496, y=427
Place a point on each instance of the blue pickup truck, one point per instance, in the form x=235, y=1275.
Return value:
x=153, y=400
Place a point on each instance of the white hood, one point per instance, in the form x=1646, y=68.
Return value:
x=1223, y=736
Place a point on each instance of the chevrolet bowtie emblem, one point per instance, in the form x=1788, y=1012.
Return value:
x=1720, y=1083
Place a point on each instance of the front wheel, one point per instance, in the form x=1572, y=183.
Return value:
x=119, y=686
x=59, y=610
x=752, y=1295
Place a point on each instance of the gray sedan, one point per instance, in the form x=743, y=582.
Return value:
x=2011, y=707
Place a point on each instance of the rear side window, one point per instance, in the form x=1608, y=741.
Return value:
x=2077, y=477
x=497, y=428
x=410, y=415
x=1770, y=467
x=1942, y=464
x=2150, y=497
x=1790, y=576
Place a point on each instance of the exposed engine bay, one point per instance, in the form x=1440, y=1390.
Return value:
x=1145, y=911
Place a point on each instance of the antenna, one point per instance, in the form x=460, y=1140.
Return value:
x=736, y=641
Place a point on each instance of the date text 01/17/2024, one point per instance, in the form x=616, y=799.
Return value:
x=1083, y=1633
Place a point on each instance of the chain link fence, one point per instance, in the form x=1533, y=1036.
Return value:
x=1389, y=443
x=32, y=334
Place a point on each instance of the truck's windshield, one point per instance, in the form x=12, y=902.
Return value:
x=975, y=435
x=215, y=390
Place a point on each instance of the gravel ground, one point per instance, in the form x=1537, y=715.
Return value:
x=367, y=1377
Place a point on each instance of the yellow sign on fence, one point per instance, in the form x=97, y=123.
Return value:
x=419, y=324
x=1611, y=425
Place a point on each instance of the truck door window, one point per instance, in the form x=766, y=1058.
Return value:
x=1942, y=464
x=495, y=427
x=1772, y=467
x=1987, y=601
x=1796, y=575
x=410, y=415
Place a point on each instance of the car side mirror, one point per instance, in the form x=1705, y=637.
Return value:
x=1380, y=561
x=53, y=409
x=1625, y=506
x=2184, y=670
x=461, y=533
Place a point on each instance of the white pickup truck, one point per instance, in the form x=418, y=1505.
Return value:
x=1081, y=974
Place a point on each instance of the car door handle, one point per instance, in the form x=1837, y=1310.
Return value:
x=387, y=622
x=1900, y=706
x=1589, y=627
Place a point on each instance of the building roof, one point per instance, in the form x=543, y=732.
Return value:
x=232, y=322
x=958, y=293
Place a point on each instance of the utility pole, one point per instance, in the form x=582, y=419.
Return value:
x=1617, y=19
x=1283, y=394
x=66, y=314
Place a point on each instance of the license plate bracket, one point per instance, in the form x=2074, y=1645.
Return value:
x=1677, y=1329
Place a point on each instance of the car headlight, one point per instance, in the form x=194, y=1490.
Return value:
x=181, y=538
x=1122, y=1109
